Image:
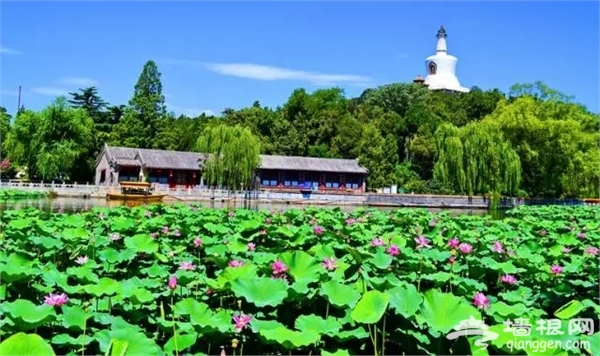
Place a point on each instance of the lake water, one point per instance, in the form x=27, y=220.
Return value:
x=78, y=204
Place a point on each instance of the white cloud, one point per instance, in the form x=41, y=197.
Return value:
x=191, y=112
x=51, y=91
x=10, y=51
x=9, y=92
x=78, y=82
x=270, y=73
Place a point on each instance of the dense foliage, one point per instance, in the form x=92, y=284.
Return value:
x=180, y=279
x=532, y=141
x=14, y=194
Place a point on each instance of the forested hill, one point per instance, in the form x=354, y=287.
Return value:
x=532, y=140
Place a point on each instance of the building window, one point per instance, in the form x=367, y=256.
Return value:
x=102, y=176
x=432, y=68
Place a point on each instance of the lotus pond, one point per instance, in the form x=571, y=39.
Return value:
x=176, y=280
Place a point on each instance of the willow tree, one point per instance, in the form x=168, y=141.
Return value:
x=233, y=155
x=476, y=159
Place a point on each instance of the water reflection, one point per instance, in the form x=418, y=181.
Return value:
x=78, y=204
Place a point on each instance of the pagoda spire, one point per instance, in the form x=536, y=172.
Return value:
x=441, y=40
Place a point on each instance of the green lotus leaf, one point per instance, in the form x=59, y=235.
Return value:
x=142, y=243
x=441, y=312
x=340, y=295
x=74, y=317
x=21, y=344
x=26, y=315
x=302, y=266
x=406, y=300
x=381, y=260
x=322, y=326
x=73, y=234
x=371, y=307
x=290, y=339
x=105, y=286
x=15, y=268
x=570, y=310
x=179, y=342
x=335, y=353
x=260, y=291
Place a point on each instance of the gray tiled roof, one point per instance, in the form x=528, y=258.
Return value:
x=161, y=159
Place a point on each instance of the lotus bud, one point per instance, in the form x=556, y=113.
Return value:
x=223, y=351
x=239, y=303
x=234, y=343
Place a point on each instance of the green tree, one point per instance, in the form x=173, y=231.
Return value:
x=233, y=155
x=5, y=119
x=146, y=112
x=476, y=159
x=55, y=142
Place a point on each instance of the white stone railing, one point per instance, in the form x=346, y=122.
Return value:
x=84, y=189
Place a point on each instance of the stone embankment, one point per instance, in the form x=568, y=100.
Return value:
x=87, y=191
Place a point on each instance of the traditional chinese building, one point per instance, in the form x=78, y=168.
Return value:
x=175, y=169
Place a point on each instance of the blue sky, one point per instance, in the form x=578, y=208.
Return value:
x=214, y=55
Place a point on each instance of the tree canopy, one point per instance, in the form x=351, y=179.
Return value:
x=533, y=140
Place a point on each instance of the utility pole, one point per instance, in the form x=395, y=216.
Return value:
x=19, y=102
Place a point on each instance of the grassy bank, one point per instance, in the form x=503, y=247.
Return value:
x=180, y=279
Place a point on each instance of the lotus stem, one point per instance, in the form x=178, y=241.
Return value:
x=383, y=335
x=83, y=336
x=174, y=326
x=327, y=311
x=420, y=269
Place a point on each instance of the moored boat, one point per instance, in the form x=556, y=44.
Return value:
x=135, y=191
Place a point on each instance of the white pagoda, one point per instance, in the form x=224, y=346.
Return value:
x=441, y=68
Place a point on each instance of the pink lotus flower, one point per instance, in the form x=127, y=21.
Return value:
x=508, y=279
x=56, y=300
x=81, y=260
x=350, y=222
x=318, y=230
x=154, y=235
x=543, y=232
x=148, y=214
x=187, y=266
x=172, y=283
x=262, y=232
x=481, y=301
x=497, y=247
x=165, y=230
x=451, y=260
x=433, y=223
x=241, y=321
x=236, y=263
x=330, y=264
x=176, y=232
x=581, y=235
x=279, y=267
x=566, y=250
x=556, y=269
x=393, y=250
x=197, y=242
x=465, y=248
x=454, y=243
x=114, y=237
x=268, y=221
x=592, y=251
x=417, y=229
x=422, y=242
x=251, y=246
x=231, y=214
x=377, y=242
